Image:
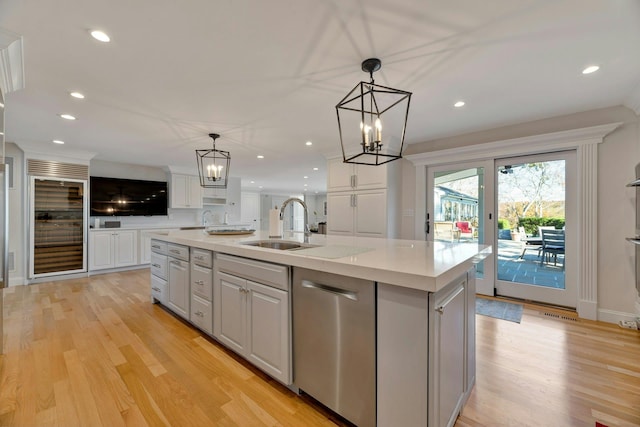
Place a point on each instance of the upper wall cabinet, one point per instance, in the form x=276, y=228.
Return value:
x=347, y=176
x=185, y=192
x=214, y=196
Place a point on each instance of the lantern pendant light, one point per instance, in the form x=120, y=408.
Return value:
x=213, y=166
x=372, y=120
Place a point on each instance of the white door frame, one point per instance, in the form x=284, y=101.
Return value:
x=585, y=141
x=568, y=296
x=484, y=284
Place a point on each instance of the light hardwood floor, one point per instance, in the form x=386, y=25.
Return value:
x=96, y=352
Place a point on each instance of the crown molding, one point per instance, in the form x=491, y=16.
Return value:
x=549, y=142
x=57, y=153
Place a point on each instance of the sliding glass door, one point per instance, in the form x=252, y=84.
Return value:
x=536, y=233
x=457, y=210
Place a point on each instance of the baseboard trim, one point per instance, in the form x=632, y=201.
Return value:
x=587, y=310
x=612, y=316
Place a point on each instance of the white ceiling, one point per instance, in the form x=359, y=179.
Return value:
x=267, y=75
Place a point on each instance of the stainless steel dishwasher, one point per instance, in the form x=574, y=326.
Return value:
x=334, y=342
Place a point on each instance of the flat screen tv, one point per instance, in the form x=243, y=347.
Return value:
x=127, y=197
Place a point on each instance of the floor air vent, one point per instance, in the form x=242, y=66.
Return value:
x=558, y=316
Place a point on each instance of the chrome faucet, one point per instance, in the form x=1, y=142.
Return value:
x=307, y=232
x=204, y=217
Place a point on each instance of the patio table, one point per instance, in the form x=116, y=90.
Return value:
x=531, y=243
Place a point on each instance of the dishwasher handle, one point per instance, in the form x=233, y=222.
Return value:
x=331, y=289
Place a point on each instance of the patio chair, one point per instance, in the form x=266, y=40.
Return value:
x=465, y=229
x=552, y=245
x=445, y=230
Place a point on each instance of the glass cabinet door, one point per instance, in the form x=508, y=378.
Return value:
x=58, y=226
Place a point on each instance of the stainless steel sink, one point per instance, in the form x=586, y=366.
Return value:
x=277, y=244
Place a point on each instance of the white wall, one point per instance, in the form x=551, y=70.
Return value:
x=17, y=219
x=617, y=158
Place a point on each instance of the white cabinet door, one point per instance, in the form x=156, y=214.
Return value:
x=447, y=367
x=101, y=254
x=126, y=248
x=214, y=193
x=158, y=289
x=201, y=314
x=179, y=194
x=230, y=311
x=371, y=213
x=201, y=281
x=178, y=285
x=340, y=213
x=339, y=175
x=368, y=177
x=268, y=330
x=185, y=191
x=195, y=192
x=346, y=176
x=144, y=247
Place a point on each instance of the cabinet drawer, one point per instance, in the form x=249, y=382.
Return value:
x=201, y=257
x=159, y=265
x=159, y=289
x=275, y=275
x=178, y=251
x=201, y=280
x=201, y=314
x=158, y=246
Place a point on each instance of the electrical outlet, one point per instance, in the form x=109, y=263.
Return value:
x=628, y=324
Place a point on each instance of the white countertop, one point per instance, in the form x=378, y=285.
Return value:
x=417, y=264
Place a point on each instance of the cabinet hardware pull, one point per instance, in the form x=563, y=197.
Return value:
x=450, y=298
x=156, y=289
x=156, y=265
x=174, y=251
x=199, y=282
x=155, y=246
x=331, y=289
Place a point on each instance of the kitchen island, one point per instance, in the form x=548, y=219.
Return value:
x=424, y=311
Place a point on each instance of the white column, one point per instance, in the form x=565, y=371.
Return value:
x=588, y=231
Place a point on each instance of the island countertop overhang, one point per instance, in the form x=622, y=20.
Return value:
x=422, y=265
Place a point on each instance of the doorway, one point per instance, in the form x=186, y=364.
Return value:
x=458, y=201
x=505, y=203
x=536, y=228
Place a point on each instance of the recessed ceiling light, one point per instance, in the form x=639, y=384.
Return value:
x=57, y=141
x=306, y=185
x=590, y=69
x=260, y=186
x=1, y=133
x=67, y=116
x=315, y=169
x=100, y=36
x=459, y=104
x=77, y=95
x=252, y=182
x=308, y=143
x=260, y=156
x=306, y=177
x=1, y=105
